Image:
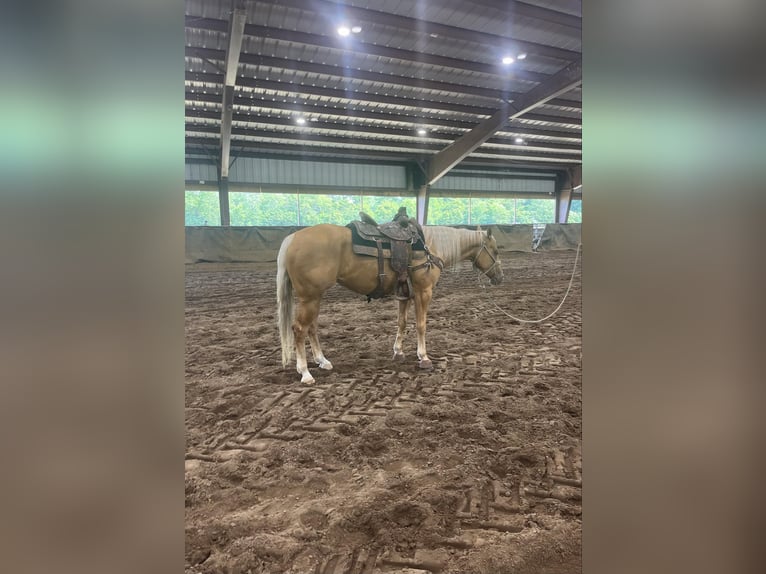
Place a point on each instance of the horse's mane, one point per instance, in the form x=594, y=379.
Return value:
x=449, y=243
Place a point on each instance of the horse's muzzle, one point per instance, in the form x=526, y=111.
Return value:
x=497, y=277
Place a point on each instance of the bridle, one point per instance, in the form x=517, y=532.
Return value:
x=495, y=262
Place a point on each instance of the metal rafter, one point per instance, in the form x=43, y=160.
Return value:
x=363, y=48
x=516, y=129
x=349, y=73
x=559, y=83
x=538, y=13
x=422, y=27
x=576, y=177
x=356, y=140
x=366, y=129
x=358, y=95
x=231, y=57
x=372, y=113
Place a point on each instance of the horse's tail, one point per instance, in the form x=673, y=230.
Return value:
x=285, y=303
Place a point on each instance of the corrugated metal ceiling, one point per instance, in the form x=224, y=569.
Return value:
x=430, y=64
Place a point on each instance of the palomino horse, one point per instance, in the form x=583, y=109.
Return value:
x=313, y=259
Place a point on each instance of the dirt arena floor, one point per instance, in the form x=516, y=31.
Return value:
x=473, y=467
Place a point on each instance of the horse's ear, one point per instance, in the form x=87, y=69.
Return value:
x=489, y=232
x=478, y=228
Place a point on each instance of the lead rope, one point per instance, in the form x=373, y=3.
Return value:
x=556, y=310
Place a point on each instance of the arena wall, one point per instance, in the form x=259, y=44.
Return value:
x=261, y=244
x=560, y=236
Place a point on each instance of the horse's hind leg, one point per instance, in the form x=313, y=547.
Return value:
x=305, y=317
x=398, y=353
x=319, y=357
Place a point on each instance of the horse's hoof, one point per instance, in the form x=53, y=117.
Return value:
x=307, y=379
x=426, y=364
x=326, y=365
x=398, y=357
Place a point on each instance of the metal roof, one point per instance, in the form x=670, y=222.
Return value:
x=418, y=82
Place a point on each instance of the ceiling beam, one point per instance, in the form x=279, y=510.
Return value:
x=298, y=139
x=338, y=44
x=349, y=73
x=425, y=28
x=544, y=14
x=350, y=94
x=353, y=95
x=538, y=13
x=236, y=32
x=450, y=156
x=455, y=127
x=576, y=177
x=551, y=119
x=297, y=88
x=515, y=129
x=513, y=7
x=369, y=129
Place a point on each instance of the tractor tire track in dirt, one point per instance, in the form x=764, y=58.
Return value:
x=380, y=467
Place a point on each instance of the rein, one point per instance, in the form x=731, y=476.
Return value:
x=556, y=310
x=431, y=259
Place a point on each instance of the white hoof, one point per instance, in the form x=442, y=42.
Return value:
x=325, y=364
x=307, y=379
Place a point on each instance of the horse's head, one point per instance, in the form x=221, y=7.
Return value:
x=487, y=260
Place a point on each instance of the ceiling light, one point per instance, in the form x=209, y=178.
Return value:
x=421, y=132
x=521, y=56
x=356, y=29
x=507, y=60
x=300, y=121
x=343, y=31
x=519, y=140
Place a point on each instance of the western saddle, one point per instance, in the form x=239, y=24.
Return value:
x=397, y=240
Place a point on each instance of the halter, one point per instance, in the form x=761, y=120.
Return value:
x=494, y=261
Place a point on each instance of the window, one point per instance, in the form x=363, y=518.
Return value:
x=383, y=209
x=535, y=210
x=266, y=209
x=448, y=211
x=263, y=209
x=201, y=208
x=337, y=209
x=575, y=211
x=485, y=211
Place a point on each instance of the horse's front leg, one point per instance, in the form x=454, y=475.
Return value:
x=422, y=301
x=398, y=353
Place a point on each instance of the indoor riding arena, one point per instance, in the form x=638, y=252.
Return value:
x=468, y=115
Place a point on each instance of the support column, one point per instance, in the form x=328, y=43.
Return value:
x=416, y=177
x=223, y=201
x=563, y=197
x=422, y=204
